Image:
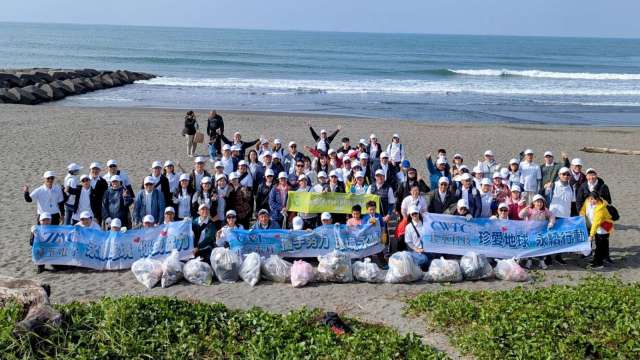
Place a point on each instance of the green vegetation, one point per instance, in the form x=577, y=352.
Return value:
x=599, y=318
x=135, y=327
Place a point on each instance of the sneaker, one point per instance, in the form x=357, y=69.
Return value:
x=542, y=264
x=596, y=266
x=560, y=260
x=608, y=260
x=528, y=264
x=39, y=269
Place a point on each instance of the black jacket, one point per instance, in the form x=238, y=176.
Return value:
x=262, y=196
x=244, y=145
x=193, y=187
x=94, y=201
x=98, y=191
x=436, y=206
x=583, y=192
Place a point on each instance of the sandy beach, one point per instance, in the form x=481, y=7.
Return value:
x=39, y=138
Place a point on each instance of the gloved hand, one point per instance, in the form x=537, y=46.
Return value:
x=468, y=217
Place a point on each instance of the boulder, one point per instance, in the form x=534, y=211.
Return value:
x=43, y=76
x=53, y=92
x=38, y=93
x=8, y=80
x=26, y=98
x=97, y=82
x=68, y=87
x=60, y=75
x=107, y=82
x=30, y=295
x=124, y=77
x=116, y=80
x=9, y=97
x=88, y=84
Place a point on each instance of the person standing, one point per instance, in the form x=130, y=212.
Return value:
x=116, y=202
x=150, y=201
x=593, y=184
x=278, y=199
x=49, y=197
x=530, y=176
x=323, y=141
x=600, y=225
x=538, y=211
x=99, y=187
x=560, y=197
x=182, y=198
x=70, y=182
x=215, y=130
x=576, y=180
x=441, y=198
x=550, y=168
x=189, y=132
x=85, y=199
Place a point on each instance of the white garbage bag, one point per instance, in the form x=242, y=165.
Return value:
x=302, y=273
x=171, y=269
x=510, y=270
x=147, y=271
x=402, y=269
x=225, y=264
x=198, y=272
x=442, y=270
x=475, y=267
x=368, y=271
x=335, y=267
x=250, y=269
x=275, y=269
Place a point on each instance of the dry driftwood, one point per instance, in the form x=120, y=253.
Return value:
x=603, y=150
x=31, y=295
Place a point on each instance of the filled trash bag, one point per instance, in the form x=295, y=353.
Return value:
x=367, y=271
x=402, y=269
x=275, y=269
x=250, y=269
x=147, y=271
x=442, y=270
x=335, y=267
x=225, y=264
x=510, y=270
x=198, y=272
x=302, y=273
x=475, y=267
x=171, y=269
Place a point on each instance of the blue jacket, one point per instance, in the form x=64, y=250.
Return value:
x=276, y=204
x=116, y=205
x=435, y=175
x=475, y=200
x=157, y=206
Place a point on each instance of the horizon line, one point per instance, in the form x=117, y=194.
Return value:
x=319, y=31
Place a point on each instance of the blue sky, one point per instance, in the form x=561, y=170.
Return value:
x=602, y=18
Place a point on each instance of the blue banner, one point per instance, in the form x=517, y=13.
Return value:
x=447, y=234
x=358, y=242
x=106, y=250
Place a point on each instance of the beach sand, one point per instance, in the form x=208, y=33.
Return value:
x=39, y=138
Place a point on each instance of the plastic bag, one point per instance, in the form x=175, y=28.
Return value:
x=335, y=267
x=250, y=269
x=226, y=265
x=302, y=273
x=442, y=270
x=171, y=269
x=475, y=267
x=147, y=271
x=367, y=271
x=275, y=269
x=402, y=269
x=198, y=272
x=510, y=270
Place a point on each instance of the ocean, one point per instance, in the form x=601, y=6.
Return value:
x=591, y=81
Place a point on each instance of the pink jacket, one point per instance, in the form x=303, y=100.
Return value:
x=533, y=214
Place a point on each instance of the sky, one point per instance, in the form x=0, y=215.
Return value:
x=583, y=18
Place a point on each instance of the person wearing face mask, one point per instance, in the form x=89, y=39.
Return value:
x=149, y=201
x=116, y=202
x=594, y=184
x=49, y=197
x=323, y=141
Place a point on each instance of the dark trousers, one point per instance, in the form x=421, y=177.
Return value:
x=602, y=249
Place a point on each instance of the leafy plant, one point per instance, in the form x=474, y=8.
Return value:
x=599, y=318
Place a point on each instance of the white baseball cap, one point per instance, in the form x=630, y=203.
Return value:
x=198, y=159
x=396, y=136
x=548, y=153
x=236, y=148
x=488, y=153
x=45, y=215
x=203, y=206
x=413, y=210
x=576, y=162
x=323, y=131
x=539, y=197
x=236, y=133
x=276, y=155
x=297, y=223
x=463, y=167
x=205, y=180
x=266, y=153
x=74, y=167
x=332, y=173
x=112, y=162
x=331, y=151
x=346, y=158
x=95, y=165
x=462, y=203
x=156, y=164
x=148, y=180
x=282, y=175
x=84, y=176
x=465, y=176
x=379, y=172
x=168, y=163
x=457, y=156
x=563, y=170
x=359, y=174
x=496, y=175
x=514, y=161
x=364, y=156
x=169, y=209
x=116, y=178
x=231, y=213
x=48, y=174
x=325, y=216
x=269, y=172
x=485, y=181
x=302, y=177
x=476, y=169
x=233, y=175
x=218, y=164
x=591, y=170
x=116, y=223
x=322, y=174
x=185, y=177
x=363, y=141
x=221, y=176
x=528, y=152
x=384, y=154
x=516, y=187
x=86, y=215
x=226, y=147
x=373, y=136
x=264, y=141
x=242, y=163
x=503, y=206
x=443, y=179
x=148, y=219
x=291, y=143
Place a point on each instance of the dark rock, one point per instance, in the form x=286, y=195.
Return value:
x=97, y=83
x=26, y=97
x=9, y=97
x=38, y=320
x=107, y=82
x=90, y=72
x=39, y=94
x=79, y=85
x=68, y=87
x=53, y=92
x=60, y=75
x=124, y=77
x=88, y=84
x=8, y=80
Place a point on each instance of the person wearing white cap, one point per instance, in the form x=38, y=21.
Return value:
x=560, y=197
x=181, y=199
x=441, y=198
x=549, y=168
x=489, y=165
x=503, y=212
x=244, y=176
x=84, y=199
x=169, y=171
x=160, y=182
x=335, y=185
x=594, y=184
x=530, y=176
x=456, y=165
x=277, y=148
x=461, y=209
x=487, y=198
x=149, y=201
x=437, y=171
x=325, y=218
x=169, y=215
x=365, y=166
x=218, y=169
x=323, y=183
x=277, y=162
x=70, y=182
x=388, y=170
x=263, y=190
x=215, y=130
x=189, y=132
x=264, y=221
x=297, y=223
x=413, y=236
x=360, y=186
x=229, y=162
x=291, y=157
x=386, y=194
x=205, y=196
x=116, y=202
x=222, y=190
x=263, y=149
x=538, y=211
x=86, y=221
x=241, y=199
x=478, y=175
x=323, y=141
x=115, y=225
x=500, y=190
x=396, y=151
x=44, y=219
x=197, y=174
x=267, y=163
x=99, y=187
x=278, y=199
x=468, y=192
x=204, y=233
x=310, y=219
x=515, y=202
x=148, y=222
x=321, y=162
x=49, y=197
x=112, y=169
x=237, y=141
x=231, y=223
x=295, y=175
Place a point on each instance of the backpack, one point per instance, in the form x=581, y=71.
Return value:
x=615, y=215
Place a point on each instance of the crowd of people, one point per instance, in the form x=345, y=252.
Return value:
x=245, y=184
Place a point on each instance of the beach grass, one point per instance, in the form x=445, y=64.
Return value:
x=169, y=328
x=597, y=319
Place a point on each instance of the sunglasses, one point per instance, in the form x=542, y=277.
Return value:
x=299, y=165
x=112, y=166
x=503, y=210
x=231, y=216
x=84, y=180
